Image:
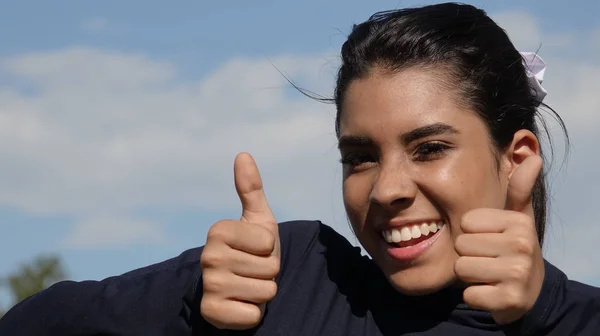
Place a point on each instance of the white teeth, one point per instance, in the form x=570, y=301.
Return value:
x=416, y=232
x=396, y=236
x=424, y=229
x=409, y=232
x=433, y=227
x=406, y=234
x=385, y=234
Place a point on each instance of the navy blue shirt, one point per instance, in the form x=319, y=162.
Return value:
x=326, y=287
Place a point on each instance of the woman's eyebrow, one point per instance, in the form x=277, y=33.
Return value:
x=427, y=131
x=406, y=138
x=354, y=141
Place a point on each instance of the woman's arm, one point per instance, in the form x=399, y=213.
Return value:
x=154, y=300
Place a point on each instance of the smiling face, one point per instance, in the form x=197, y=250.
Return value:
x=415, y=160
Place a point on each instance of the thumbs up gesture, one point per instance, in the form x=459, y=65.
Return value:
x=499, y=254
x=241, y=258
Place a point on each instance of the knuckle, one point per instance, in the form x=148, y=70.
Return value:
x=234, y=317
x=513, y=299
x=207, y=305
x=220, y=231
x=266, y=241
x=210, y=308
x=213, y=282
x=272, y=267
x=270, y=290
x=523, y=245
x=270, y=240
x=519, y=271
x=211, y=258
x=522, y=218
x=212, y=312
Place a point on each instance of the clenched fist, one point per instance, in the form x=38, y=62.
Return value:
x=500, y=256
x=241, y=258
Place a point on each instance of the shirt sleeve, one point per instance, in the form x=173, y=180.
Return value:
x=160, y=299
x=564, y=307
x=154, y=300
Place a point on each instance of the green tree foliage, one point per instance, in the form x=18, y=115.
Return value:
x=32, y=277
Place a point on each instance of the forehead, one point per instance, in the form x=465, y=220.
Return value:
x=401, y=101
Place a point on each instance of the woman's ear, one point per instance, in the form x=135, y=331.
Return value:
x=524, y=144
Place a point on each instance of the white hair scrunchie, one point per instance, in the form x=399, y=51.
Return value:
x=535, y=68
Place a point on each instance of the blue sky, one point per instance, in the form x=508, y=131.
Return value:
x=120, y=121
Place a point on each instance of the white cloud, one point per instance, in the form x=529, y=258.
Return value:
x=121, y=131
x=522, y=27
x=102, y=232
x=103, y=132
x=95, y=24
x=526, y=34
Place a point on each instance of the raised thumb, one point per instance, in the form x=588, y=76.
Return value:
x=521, y=183
x=249, y=187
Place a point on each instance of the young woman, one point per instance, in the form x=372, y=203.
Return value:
x=443, y=186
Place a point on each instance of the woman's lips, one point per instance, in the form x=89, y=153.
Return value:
x=406, y=243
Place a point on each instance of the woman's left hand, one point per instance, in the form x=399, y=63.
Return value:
x=500, y=257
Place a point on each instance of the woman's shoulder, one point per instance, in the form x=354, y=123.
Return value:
x=300, y=238
x=315, y=253
x=563, y=307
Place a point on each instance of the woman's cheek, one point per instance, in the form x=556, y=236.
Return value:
x=352, y=212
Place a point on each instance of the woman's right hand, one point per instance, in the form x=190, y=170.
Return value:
x=241, y=258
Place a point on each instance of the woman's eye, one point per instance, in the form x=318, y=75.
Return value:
x=431, y=151
x=357, y=159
